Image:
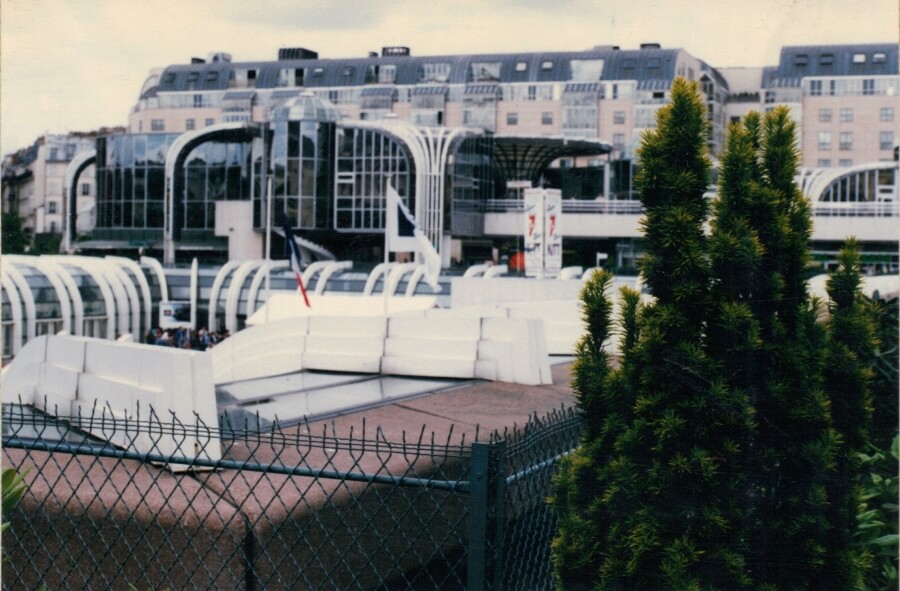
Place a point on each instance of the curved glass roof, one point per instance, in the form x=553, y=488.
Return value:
x=306, y=107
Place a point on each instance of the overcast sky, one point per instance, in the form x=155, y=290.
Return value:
x=76, y=65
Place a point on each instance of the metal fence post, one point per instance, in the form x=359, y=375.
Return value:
x=478, y=518
x=486, y=516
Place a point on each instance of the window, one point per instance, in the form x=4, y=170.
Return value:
x=769, y=97
x=801, y=59
x=887, y=114
x=586, y=70
x=869, y=86
x=546, y=118
x=846, y=115
x=198, y=101
x=846, y=140
x=318, y=72
x=619, y=142
x=879, y=57
x=824, y=140
x=348, y=71
x=826, y=59
x=629, y=63
x=824, y=162
x=845, y=162
x=387, y=74
x=815, y=87
x=512, y=118
x=157, y=125
x=210, y=121
x=212, y=76
x=547, y=65
x=653, y=63
x=885, y=140
x=85, y=188
x=439, y=72
x=51, y=207
x=619, y=117
x=485, y=72
x=190, y=124
x=824, y=115
x=521, y=66
x=859, y=58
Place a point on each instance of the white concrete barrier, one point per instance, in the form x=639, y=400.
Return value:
x=264, y=350
x=113, y=385
x=345, y=343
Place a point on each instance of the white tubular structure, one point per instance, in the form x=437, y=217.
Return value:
x=256, y=283
x=157, y=269
x=52, y=275
x=223, y=273
x=232, y=300
x=142, y=284
x=379, y=270
x=27, y=297
x=396, y=275
x=332, y=268
x=16, y=308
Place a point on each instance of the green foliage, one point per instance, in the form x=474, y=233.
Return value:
x=719, y=452
x=13, y=487
x=877, y=520
x=13, y=236
x=46, y=244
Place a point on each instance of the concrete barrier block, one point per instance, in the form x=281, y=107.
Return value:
x=342, y=362
x=431, y=348
x=115, y=361
x=499, y=353
x=361, y=345
x=446, y=368
x=437, y=327
x=67, y=352
x=58, y=382
x=487, y=370
x=362, y=326
x=19, y=378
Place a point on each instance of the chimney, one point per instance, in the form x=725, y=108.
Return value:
x=650, y=46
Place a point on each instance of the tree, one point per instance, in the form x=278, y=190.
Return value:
x=662, y=506
x=14, y=239
x=712, y=455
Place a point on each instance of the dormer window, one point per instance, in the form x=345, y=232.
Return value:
x=826, y=59
x=879, y=57
x=170, y=78
x=318, y=72
x=348, y=71
x=212, y=76
x=859, y=58
x=653, y=63
x=629, y=64
x=193, y=76
x=521, y=66
x=801, y=59
x=547, y=65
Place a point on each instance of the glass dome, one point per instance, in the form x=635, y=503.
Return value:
x=306, y=107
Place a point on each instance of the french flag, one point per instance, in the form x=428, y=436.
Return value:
x=295, y=258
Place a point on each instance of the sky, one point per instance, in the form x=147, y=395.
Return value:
x=77, y=65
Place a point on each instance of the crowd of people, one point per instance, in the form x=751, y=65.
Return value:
x=185, y=338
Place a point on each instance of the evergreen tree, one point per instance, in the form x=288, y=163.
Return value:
x=663, y=508
x=717, y=454
x=851, y=342
x=14, y=239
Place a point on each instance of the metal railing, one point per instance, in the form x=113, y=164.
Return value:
x=631, y=207
x=299, y=508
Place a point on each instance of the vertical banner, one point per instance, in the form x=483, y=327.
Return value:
x=534, y=233
x=552, y=234
x=543, y=236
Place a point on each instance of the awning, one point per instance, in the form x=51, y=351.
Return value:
x=482, y=90
x=582, y=87
x=378, y=91
x=429, y=90
x=654, y=84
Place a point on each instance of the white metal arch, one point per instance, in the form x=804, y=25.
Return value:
x=73, y=171
x=414, y=280
x=396, y=275
x=180, y=143
x=114, y=312
x=232, y=300
x=69, y=281
x=327, y=272
x=134, y=301
x=258, y=279
x=157, y=269
x=496, y=271
x=144, y=286
x=819, y=183
x=221, y=276
x=312, y=270
x=52, y=275
x=195, y=291
x=15, y=305
x=27, y=298
x=379, y=270
x=476, y=270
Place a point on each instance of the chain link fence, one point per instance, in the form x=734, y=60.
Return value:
x=299, y=508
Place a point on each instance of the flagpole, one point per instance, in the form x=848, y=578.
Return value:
x=387, y=205
x=268, y=241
